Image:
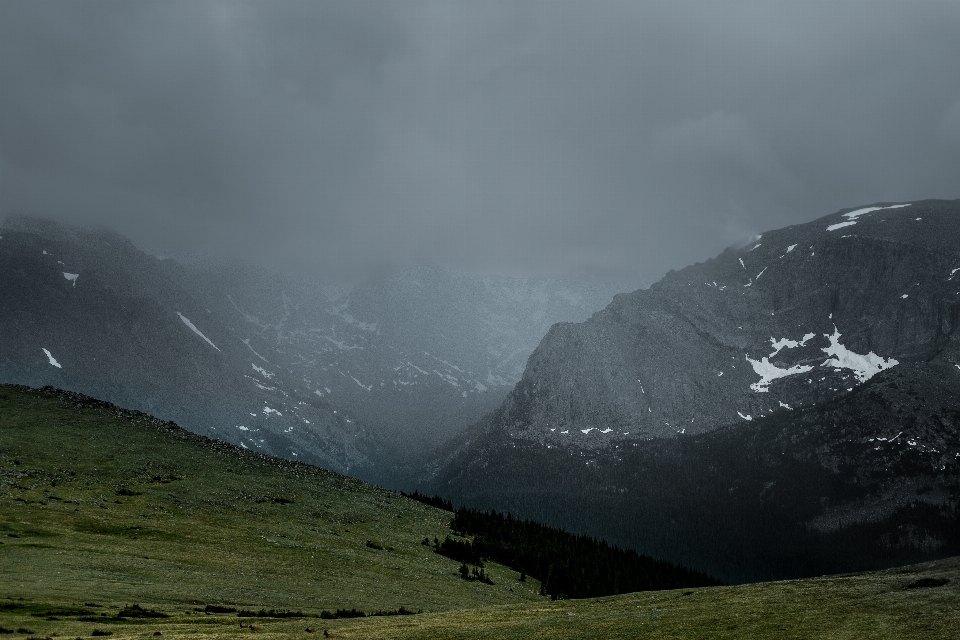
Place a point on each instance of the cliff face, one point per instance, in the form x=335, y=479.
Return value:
x=795, y=317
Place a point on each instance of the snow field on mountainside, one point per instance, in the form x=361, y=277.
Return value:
x=769, y=372
x=786, y=343
x=193, y=328
x=863, y=366
x=853, y=215
x=266, y=374
x=51, y=359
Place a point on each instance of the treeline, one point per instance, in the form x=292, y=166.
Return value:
x=567, y=565
x=433, y=501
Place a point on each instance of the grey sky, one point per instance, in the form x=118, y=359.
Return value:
x=609, y=139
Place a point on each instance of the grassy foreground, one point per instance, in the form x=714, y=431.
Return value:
x=100, y=511
x=105, y=507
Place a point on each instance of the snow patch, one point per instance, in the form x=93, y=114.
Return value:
x=747, y=417
x=72, y=277
x=242, y=428
x=52, y=360
x=607, y=430
x=745, y=266
x=586, y=431
x=196, y=331
x=791, y=248
x=904, y=296
x=841, y=225
x=853, y=215
x=753, y=247
x=266, y=374
x=268, y=411
x=785, y=343
x=785, y=405
x=863, y=366
x=247, y=342
x=769, y=372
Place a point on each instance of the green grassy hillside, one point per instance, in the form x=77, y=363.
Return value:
x=116, y=524
x=96, y=505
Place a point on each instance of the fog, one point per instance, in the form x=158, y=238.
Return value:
x=603, y=140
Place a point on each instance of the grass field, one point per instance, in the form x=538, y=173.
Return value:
x=98, y=506
x=100, y=512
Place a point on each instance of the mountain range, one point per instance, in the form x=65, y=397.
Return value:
x=787, y=408
x=353, y=378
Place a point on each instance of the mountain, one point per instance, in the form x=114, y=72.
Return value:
x=355, y=379
x=415, y=357
x=745, y=405
x=87, y=311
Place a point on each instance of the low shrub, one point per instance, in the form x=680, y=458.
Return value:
x=136, y=611
x=213, y=608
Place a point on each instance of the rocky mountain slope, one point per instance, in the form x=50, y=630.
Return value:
x=416, y=356
x=786, y=408
x=89, y=312
x=795, y=317
x=351, y=378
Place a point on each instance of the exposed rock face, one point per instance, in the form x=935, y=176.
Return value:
x=796, y=316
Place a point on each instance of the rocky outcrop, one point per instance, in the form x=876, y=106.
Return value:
x=794, y=317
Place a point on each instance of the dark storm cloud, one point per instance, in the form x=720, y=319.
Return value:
x=586, y=137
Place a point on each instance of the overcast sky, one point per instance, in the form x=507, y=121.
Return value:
x=590, y=139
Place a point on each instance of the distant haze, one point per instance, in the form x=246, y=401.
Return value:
x=606, y=140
